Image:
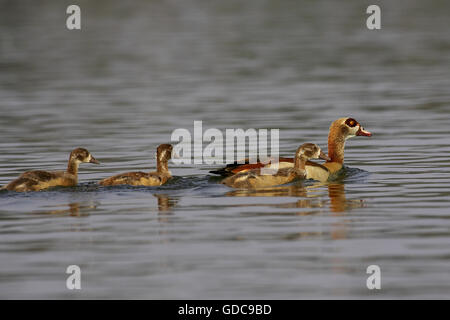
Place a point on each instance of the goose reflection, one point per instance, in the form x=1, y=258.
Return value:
x=312, y=197
x=316, y=198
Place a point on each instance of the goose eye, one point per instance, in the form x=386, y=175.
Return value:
x=351, y=122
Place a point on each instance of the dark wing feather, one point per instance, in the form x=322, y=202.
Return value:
x=42, y=176
x=233, y=168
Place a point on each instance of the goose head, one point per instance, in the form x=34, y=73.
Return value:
x=348, y=128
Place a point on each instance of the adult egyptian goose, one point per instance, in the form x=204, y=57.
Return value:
x=340, y=130
x=39, y=180
x=156, y=178
x=255, y=179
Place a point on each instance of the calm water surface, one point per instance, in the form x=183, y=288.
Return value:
x=138, y=70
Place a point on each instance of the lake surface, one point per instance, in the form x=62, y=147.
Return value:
x=139, y=70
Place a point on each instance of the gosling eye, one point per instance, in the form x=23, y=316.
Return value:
x=351, y=122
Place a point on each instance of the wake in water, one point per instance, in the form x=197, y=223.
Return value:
x=197, y=183
x=349, y=175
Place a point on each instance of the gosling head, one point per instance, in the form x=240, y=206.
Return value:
x=80, y=155
x=164, y=152
x=311, y=151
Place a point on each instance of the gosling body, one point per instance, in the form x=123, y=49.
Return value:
x=255, y=179
x=149, y=179
x=39, y=180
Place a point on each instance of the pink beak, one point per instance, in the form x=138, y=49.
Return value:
x=362, y=132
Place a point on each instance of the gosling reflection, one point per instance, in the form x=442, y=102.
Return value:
x=75, y=209
x=165, y=206
x=165, y=203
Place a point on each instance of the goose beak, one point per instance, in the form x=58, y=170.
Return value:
x=362, y=132
x=93, y=160
x=324, y=156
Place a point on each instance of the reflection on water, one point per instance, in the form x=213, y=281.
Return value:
x=336, y=201
x=139, y=70
x=165, y=203
x=75, y=209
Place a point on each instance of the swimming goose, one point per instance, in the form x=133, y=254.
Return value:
x=156, y=178
x=340, y=130
x=255, y=179
x=39, y=180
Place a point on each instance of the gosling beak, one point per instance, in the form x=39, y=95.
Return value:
x=324, y=156
x=362, y=132
x=93, y=160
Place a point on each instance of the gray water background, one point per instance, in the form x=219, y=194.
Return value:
x=140, y=69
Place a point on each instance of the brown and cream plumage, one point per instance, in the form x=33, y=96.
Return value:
x=340, y=130
x=40, y=180
x=256, y=179
x=156, y=178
